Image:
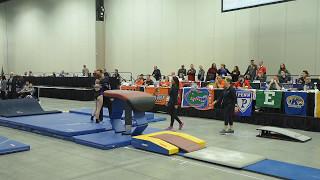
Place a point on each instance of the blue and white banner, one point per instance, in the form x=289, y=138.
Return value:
x=244, y=101
x=296, y=103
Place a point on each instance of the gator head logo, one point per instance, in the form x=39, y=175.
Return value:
x=295, y=101
x=156, y=91
x=197, y=98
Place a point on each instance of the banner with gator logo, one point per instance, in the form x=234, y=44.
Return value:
x=296, y=103
x=317, y=104
x=244, y=100
x=198, y=98
x=160, y=93
x=269, y=99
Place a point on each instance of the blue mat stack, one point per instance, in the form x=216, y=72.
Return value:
x=8, y=146
x=78, y=128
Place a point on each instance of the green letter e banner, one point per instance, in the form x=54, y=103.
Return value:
x=270, y=99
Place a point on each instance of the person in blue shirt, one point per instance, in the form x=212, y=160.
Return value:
x=223, y=71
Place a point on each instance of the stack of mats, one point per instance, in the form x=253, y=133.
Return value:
x=87, y=111
x=168, y=142
x=8, y=146
x=62, y=125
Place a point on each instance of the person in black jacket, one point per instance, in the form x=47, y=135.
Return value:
x=156, y=73
x=228, y=101
x=172, y=104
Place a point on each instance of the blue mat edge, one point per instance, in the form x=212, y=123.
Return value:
x=247, y=168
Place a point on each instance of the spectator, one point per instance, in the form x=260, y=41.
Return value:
x=223, y=71
x=219, y=83
x=262, y=69
x=251, y=70
x=3, y=87
x=242, y=83
x=284, y=78
x=165, y=82
x=261, y=77
x=140, y=80
x=182, y=72
x=305, y=78
x=192, y=73
x=62, y=74
x=85, y=71
x=274, y=84
x=283, y=68
x=318, y=84
x=148, y=81
x=30, y=74
x=26, y=91
x=105, y=73
x=201, y=73
x=118, y=78
x=212, y=72
x=156, y=73
x=11, y=86
x=235, y=74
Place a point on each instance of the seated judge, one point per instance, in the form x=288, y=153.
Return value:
x=304, y=78
x=219, y=83
x=148, y=81
x=140, y=80
x=165, y=82
x=284, y=77
x=242, y=83
x=27, y=90
x=261, y=77
x=274, y=84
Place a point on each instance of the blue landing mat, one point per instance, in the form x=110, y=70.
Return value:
x=63, y=124
x=284, y=170
x=8, y=146
x=104, y=140
x=87, y=111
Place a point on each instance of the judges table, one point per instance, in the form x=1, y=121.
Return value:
x=72, y=88
x=82, y=82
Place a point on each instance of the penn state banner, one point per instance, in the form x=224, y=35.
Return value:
x=244, y=101
x=269, y=99
x=296, y=103
x=317, y=104
x=198, y=98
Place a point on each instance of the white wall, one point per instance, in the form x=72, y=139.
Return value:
x=141, y=33
x=3, y=50
x=50, y=35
